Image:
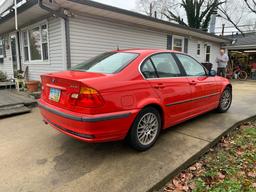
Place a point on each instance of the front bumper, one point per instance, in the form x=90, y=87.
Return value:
x=89, y=128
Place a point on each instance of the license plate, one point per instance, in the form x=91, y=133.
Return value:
x=54, y=94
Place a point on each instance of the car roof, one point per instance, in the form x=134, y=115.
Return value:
x=146, y=51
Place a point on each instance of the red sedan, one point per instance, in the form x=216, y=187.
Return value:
x=130, y=94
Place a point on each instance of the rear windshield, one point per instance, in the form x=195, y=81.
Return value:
x=110, y=62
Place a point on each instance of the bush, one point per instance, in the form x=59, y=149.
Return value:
x=3, y=76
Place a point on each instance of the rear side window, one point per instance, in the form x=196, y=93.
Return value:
x=165, y=65
x=191, y=66
x=148, y=69
x=109, y=63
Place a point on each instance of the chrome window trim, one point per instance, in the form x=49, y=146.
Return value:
x=139, y=67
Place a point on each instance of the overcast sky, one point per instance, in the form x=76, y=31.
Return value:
x=131, y=5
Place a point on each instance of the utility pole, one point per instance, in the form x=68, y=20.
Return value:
x=223, y=29
x=151, y=9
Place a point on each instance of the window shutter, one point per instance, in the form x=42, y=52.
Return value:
x=186, y=45
x=169, y=42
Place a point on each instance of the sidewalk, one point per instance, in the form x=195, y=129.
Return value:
x=35, y=157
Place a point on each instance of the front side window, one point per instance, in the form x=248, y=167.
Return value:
x=191, y=66
x=165, y=65
x=107, y=63
x=178, y=44
x=35, y=43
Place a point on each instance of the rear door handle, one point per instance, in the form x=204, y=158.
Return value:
x=193, y=82
x=159, y=86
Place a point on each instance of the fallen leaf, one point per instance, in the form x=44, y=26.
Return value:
x=192, y=168
x=192, y=185
x=177, y=184
x=251, y=174
x=221, y=176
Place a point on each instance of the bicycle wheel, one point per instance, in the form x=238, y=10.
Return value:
x=242, y=75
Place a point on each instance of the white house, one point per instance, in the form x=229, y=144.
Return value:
x=54, y=35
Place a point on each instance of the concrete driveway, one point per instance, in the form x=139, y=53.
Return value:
x=35, y=157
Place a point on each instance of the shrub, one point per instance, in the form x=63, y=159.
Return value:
x=3, y=76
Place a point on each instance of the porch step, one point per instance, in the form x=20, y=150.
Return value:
x=13, y=110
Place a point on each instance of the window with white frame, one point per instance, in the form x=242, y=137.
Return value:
x=1, y=48
x=208, y=53
x=25, y=46
x=198, y=49
x=1, y=51
x=178, y=43
x=35, y=43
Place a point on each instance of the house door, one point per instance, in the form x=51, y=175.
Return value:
x=14, y=51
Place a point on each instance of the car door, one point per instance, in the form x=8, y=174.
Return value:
x=166, y=78
x=205, y=93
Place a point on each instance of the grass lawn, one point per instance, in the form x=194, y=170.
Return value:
x=230, y=166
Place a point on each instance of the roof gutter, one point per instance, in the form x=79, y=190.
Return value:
x=60, y=13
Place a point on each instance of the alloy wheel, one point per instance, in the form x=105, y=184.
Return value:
x=147, y=128
x=226, y=99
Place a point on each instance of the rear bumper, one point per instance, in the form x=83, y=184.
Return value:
x=89, y=128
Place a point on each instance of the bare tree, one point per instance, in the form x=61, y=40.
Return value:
x=251, y=4
x=149, y=7
x=226, y=11
x=198, y=13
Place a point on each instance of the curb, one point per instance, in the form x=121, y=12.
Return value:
x=158, y=186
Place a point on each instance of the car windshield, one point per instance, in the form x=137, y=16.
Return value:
x=110, y=62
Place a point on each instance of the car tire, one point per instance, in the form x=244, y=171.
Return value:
x=145, y=129
x=225, y=100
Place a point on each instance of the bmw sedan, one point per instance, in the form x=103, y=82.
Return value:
x=132, y=95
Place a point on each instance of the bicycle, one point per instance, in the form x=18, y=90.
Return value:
x=237, y=73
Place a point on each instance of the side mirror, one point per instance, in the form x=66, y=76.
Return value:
x=212, y=73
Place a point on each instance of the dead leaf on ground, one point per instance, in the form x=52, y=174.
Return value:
x=221, y=176
x=251, y=174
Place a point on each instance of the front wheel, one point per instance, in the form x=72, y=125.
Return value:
x=225, y=100
x=145, y=129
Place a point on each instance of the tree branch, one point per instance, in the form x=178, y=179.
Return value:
x=227, y=17
x=250, y=7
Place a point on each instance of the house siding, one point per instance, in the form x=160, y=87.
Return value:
x=192, y=50
x=90, y=36
x=57, y=52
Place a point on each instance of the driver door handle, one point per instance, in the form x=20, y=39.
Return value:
x=193, y=82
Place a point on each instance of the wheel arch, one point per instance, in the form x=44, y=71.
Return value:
x=159, y=109
x=228, y=86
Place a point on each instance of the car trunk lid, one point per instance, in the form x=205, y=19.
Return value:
x=57, y=88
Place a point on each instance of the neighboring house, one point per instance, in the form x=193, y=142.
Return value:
x=57, y=34
x=242, y=50
x=241, y=42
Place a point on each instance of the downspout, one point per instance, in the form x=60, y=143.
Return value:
x=19, y=52
x=67, y=29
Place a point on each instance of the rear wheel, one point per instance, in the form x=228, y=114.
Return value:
x=225, y=100
x=242, y=75
x=145, y=129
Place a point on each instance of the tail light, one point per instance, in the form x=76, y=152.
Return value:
x=88, y=97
